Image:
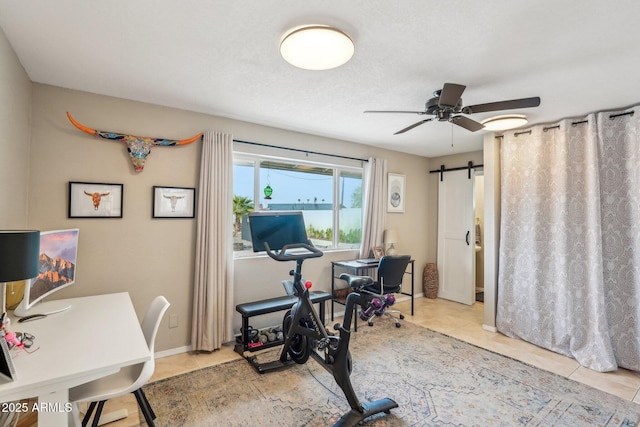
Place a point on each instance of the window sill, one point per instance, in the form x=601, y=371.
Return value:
x=242, y=255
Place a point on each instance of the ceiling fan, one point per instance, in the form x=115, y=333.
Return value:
x=446, y=105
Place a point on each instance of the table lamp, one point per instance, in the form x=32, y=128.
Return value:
x=19, y=253
x=391, y=237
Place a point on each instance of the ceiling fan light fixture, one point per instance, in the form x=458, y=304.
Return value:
x=506, y=122
x=316, y=47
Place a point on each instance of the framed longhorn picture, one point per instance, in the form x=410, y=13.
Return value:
x=95, y=200
x=174, y=202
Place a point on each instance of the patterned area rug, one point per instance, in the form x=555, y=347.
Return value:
x=436, y=380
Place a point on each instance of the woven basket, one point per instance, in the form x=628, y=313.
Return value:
x=430, y=281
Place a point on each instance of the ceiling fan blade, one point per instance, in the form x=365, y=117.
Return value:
x=503, y=105
x=450, y=94
x=466, y=123
x=412, y=126
x=395, y=111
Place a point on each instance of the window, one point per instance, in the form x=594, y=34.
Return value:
x=329, y=196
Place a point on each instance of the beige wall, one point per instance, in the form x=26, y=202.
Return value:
x=15, y=109
x=146, y=256
x=40, y=152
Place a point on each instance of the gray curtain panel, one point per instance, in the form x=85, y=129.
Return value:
x=569, y=275
x=374, y=204
x=213, y=282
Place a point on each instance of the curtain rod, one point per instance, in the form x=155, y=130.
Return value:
x=299, y=150
x=576, y=123
x=469, y=166
x=627, y=113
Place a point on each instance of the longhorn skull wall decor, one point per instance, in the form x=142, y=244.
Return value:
x=139, y=147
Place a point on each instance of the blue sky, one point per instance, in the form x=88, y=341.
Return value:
x=291, y=186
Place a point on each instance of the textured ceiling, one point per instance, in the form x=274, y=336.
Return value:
x=221, y=58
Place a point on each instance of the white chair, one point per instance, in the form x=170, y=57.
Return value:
x=128, y=380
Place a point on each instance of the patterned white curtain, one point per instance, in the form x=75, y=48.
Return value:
x=569, y=276
x=213, y=283
x=619, y=147
x=374, y=204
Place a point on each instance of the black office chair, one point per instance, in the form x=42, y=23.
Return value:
x=391, y=269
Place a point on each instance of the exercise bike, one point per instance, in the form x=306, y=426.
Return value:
x=305, y=335
x=304, y=331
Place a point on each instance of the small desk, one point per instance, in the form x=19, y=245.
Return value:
x=358, y=268
x=96, y=337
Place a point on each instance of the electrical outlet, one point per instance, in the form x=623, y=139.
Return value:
x=173, y=320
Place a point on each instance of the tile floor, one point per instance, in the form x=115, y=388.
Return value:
x=453, y=319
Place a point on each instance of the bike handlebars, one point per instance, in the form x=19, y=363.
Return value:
x=282, y=255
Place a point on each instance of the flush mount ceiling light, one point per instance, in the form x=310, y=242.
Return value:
x=316, y=47
x=510, y=121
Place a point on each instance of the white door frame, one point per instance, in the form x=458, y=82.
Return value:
x=491, y=167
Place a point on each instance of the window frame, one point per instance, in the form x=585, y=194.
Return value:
x=338, y=168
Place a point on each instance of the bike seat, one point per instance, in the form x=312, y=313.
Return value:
x=356, y=282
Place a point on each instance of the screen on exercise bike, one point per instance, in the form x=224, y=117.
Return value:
x=277, y=229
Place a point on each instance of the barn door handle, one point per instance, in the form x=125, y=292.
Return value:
x=467, y=237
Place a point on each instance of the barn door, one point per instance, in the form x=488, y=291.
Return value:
x=456, y=238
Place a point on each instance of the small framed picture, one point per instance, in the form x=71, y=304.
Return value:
x=395, y=192
x=95, y=200
x=174, y=202
x=378, y=252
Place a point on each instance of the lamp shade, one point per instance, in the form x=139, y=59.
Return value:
x=19, y=253
x=391, y=236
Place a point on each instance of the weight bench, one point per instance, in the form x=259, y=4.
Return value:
x=271, y=305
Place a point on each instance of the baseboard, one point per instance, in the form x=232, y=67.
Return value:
x=408, y=297
x=172, y=351
x=489, y=328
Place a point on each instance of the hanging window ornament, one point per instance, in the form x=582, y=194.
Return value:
x=268, y=191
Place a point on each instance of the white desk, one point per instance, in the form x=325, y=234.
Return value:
x=95, y=337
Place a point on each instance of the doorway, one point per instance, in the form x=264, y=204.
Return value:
x=456, y=248
x=461, y=236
